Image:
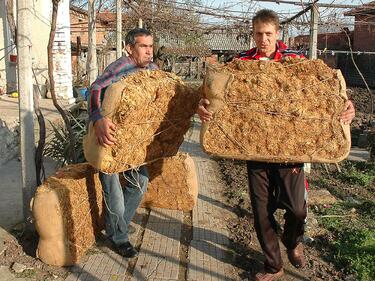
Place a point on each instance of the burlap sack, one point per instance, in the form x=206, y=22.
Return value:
x=173, y=183
x=68, y=212
x=276, y=112
x=152, y=112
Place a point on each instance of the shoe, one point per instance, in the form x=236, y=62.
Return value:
x=131, y=229
x=296, y=256
x=267, y=276
x=127, y=250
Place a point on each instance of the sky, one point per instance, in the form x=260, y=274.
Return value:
x=280, y=7
x=286, y=10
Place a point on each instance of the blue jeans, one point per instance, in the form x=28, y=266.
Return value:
x=121, y=203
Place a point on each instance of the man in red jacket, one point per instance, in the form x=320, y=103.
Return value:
x=274, y=185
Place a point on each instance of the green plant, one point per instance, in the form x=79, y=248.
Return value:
x=362, y=173
x=59, y=147
x=27, y=273
x=355, y=251
x=353, y=245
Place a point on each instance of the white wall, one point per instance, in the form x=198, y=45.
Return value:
x=40, y=29
x=8, y=78
x=2, y=44
x=62, y=53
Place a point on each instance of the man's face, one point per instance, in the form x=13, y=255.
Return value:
x=142, y=50
x=265, y=36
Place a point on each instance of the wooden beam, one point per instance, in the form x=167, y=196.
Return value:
x=298, y=3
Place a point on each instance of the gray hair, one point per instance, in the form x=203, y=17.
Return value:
x=132, y=34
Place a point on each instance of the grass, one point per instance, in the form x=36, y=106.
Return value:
x=353, y=243
x=27, y=273
x=360, y=173
x=351, y=223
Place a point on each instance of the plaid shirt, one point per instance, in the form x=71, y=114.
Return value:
x=282, y=50
x=113, y=73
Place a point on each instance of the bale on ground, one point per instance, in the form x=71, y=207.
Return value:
x=173, y=183
x=276, y=112
x=68, y=212
x=151, y=111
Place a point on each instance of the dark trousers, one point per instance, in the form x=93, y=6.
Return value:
x=273, y=186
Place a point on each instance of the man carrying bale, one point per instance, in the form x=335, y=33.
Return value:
x=275, y=185
x=121, y=203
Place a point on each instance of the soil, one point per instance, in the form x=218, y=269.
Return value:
x=21, y=248
x=362, y=102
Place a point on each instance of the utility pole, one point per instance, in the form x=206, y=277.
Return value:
x=91, y=64
x=26, y=104
x=313, y=32
x=118, y=29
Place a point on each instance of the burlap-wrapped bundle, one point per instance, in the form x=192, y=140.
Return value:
x=173, y=183
x=68, y=212
x=152, y=112
x=276, y=112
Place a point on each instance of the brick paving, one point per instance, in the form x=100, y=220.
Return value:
x=162, y=238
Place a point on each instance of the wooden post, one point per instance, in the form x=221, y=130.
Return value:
x=118, y=29
x=26, y=104
x=313, y=32
x=198, y=68
x=79, y=50
x=91, y=64
x=286, y=34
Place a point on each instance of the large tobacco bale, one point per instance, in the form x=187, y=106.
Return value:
x=276, y=112
x=152, y=112
x=173, y=183
x=68, y=212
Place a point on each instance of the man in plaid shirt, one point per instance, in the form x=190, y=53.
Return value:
x=120, y=203
x=274, y=185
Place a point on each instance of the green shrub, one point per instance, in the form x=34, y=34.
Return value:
x=59, y=147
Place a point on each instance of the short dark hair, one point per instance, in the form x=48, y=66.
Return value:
x=132, y=34
x=266, y=16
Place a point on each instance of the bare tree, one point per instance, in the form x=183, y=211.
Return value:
x=63, y=113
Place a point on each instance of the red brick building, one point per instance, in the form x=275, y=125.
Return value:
x=364, y=28
x=79, y=23
x=329, y=41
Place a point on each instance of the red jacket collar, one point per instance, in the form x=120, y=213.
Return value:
x=280, y=46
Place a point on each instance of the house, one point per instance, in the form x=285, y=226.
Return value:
x=79, y=26
x=326, y=41
x=40, y=23
x=105, y=39
x=364, y=27
x=363, y=41
x=8, y=78
x=194, y=53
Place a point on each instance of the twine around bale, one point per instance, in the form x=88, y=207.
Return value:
x=241, y=107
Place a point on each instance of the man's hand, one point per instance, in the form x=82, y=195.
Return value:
x=203, y=113
x=349, y=113
x=104, y=130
